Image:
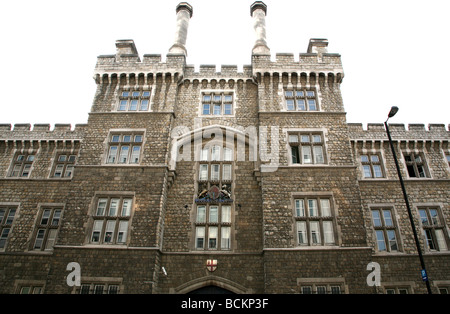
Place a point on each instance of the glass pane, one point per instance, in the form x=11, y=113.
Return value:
x=434, y=217
x=376, y=218
x=135, y=154
x=215, y=153
x=144, y=105
x=374, y=158
x=312, y=104
x=306, y=150
x=442, y=245
x=39, y=238
x=226, y=214
x=123, y=105
x=387, y=218
x=318, y=155
x=380, y=240
x=206, y=109
x=227, y=154
x=328, y=232
x=301, y=104
x=423, y=217
x=126, y=207
x=226, y=172
x=204, y=154
x=392, y=240
x=377, y=171
x=51, y=239
x=201, y=214
x=203, y=173
x=215, y=172
x=113, y=207
x=364, y=158
x=213, y=214
x=315, y=232
x=56, y=217
x=225, y=240
x=305, y=138
x=101, y=207
x=430, y=239
x=207, y=98
x=112, y=154
x=109, y=232
x=228, y=109
x=289, y=94
x=133, y=105
x=123, y=158
x=325, y=207
x=123, y=230
x=300, y=208
x=212, y=237
x=294, y=153
x=217, y=110
x=10, y=218
x=293, y=138
x=312, y=206
x=290, y=104
x=199, y=237
x=45, y=216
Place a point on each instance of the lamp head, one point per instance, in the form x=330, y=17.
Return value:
x=393, y=111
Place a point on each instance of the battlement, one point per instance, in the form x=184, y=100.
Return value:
x=41, y=132
x=376, y=131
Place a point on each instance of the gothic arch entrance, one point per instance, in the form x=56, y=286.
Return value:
x=211, y=289
x=211, y=285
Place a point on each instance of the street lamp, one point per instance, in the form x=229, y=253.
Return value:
x=392, y=113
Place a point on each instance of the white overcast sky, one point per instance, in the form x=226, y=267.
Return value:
x=394, y=52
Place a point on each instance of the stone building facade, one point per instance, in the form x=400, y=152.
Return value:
x=222, y=181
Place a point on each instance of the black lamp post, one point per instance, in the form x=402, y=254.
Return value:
x=392, y=113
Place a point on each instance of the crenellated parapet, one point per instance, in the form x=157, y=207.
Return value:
x=377, y=131
x=317, y=64
x=22, y=135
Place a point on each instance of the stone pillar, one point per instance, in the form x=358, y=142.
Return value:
x=258, y=11
x=184, y=14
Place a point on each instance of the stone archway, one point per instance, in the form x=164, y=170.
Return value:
x=211, y=285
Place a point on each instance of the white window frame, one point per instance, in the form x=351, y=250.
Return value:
x=213, y=103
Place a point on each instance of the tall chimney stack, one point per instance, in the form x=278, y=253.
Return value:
x=184, y=14
x=258, y=11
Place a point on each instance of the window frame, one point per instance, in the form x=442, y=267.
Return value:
x=118, y=140
x=47, y=228
x=217, y=103
x=429, y=230
x=412, y=165
x=301, y=94
x=101, y=221
x=127, y=97
x=65, y=164
x=211, y=156
x=385, y=229
x=219, y=224
x=372, y=164
x=6, y=223
x=303, y=215
x=24, y=165
x=296, y=148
